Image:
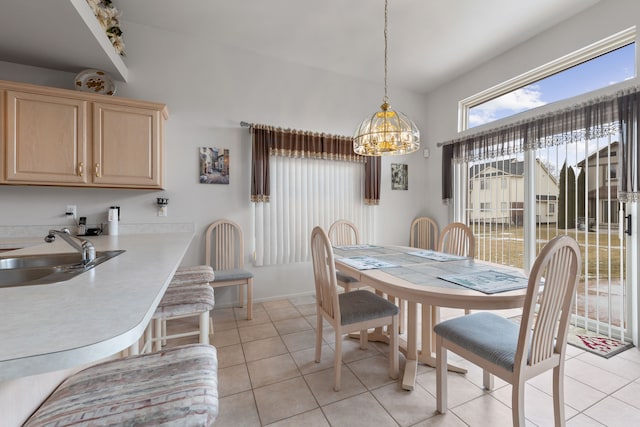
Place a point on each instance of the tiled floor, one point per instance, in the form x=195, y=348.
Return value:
x=267, y=376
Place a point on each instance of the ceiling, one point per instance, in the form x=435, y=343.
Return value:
x=430, y=41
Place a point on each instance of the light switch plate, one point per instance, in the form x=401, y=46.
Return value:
x=426, y=153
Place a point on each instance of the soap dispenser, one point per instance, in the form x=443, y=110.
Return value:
x=113, y=217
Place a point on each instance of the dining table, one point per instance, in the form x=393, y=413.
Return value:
x=430, y=279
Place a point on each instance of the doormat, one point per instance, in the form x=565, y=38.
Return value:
x=594, y=343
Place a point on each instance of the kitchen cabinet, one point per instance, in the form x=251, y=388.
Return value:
x=69, y=138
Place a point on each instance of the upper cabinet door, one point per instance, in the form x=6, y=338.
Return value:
x=127, y=149
x=46, y=138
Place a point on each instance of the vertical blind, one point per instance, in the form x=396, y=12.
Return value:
x=303, y=179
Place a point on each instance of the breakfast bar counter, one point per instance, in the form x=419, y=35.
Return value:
x=94, y=315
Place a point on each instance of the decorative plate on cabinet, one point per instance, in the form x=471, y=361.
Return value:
x=95, y=81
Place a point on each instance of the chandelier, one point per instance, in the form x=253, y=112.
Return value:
x=386, y=132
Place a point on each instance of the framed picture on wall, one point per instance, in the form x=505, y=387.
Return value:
x=214, y=165
x=399, y=176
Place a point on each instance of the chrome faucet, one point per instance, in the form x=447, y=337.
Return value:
x=83, y=246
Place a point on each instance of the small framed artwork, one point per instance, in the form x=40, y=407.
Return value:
x=399, y=176
x=214, y=165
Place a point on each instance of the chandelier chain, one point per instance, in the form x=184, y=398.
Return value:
x=386, y=14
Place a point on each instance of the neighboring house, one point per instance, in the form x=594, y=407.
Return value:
x=602, y=184
x=496, y=193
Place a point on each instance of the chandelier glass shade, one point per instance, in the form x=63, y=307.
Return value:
x=386, y=132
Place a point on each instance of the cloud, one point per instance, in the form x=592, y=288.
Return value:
x=506, y=105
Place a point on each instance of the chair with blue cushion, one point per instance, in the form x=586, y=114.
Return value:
x=516, y=353
x=348, y=312
x=224, y=252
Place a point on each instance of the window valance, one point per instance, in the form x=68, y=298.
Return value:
x=599, y=117
x=272, y=141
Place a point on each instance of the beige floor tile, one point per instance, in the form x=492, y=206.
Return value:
x=283, y=400
x=373, y=372
x=272, y=305
x=582, y=420
x=289, y=326
x=300, y=340
x=622, y=367
x=225, y=338
x=283, y=313
x=303, y=300
x=273, y=369
x=351, y=350
x=407, y=408
x=257, y=332
x=629, y=394
x=224, y=326
x=460, y=390
x=593, y=376
x=238, y=410
x=485, y=411
x=447, y=420
x=223, y=315
x=305, y=359
x=307, y=309
x=232, y=380
x=613, y=412
x=241, y=312
x=538, y=406
x=258, y=318
x=230, y=355
x=576, y=394
x=362, y=410
x=314, y=418
x=632, y=354
x=262, y=349
x=321, y=385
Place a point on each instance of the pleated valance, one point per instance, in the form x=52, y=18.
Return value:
x=595, y=118
x=273, y=141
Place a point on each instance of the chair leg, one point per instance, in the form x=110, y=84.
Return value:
x=240, y=296
x=487, y=379
x=517, y=403
x=558, y=395
x=394, y=370
x=318, y=336
x=364, y=339
x=337, y=361
x=441, y=376
x=204, y=328
x=249, y=299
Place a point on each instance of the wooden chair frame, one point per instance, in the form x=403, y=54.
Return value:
x=542, y=337
x=424, y=233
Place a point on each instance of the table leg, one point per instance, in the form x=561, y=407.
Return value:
x=411, y=367
x=431, y=316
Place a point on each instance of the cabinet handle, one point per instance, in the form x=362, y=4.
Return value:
x=98, y=170
x=80, y=169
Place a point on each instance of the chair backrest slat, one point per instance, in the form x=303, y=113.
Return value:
x=457, y=239
x=424, y=233
x=224, y=245
x=343, y=232
x=552, y=283
x=324, y=274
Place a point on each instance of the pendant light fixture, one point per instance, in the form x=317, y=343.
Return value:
x=386, y=132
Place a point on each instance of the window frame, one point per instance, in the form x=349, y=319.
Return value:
x=604, y=46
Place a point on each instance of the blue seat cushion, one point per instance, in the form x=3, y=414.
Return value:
x=345, y=278
x=488, y=335
x=231, y=274
x=358, y=306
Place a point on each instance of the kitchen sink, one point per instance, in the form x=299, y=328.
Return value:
x=42, y=269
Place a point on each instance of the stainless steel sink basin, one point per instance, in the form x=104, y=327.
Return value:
x=46, y=268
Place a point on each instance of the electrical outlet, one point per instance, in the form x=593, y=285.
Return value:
x=72, y=211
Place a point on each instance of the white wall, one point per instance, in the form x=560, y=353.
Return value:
x=209, y=89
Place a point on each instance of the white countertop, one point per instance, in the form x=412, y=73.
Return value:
x=92, y=316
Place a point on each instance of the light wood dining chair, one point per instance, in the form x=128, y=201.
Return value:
x=224, y=251
x=345, y=233
x=457, y=239
x=517, y=353
x=424, y=233
x=348, y=312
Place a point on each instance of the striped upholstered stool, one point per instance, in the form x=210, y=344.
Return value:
x=173, y=387
x=180, y=302
x=192, y=274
